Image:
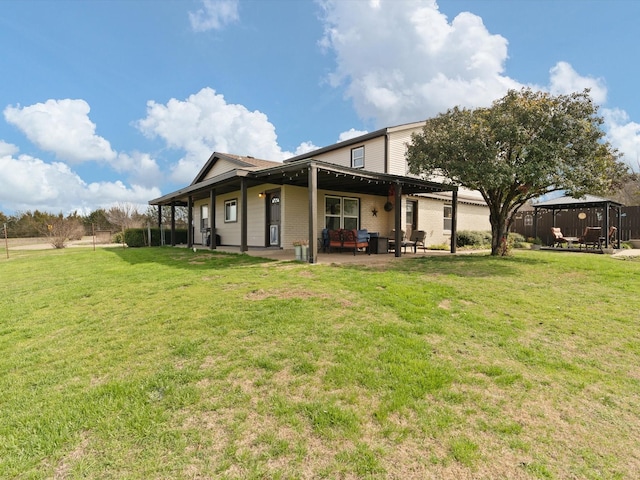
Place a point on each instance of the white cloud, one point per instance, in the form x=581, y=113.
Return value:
x=623, y=135
x=7, y=149
x=214, y=15
x=204, y=123
x=351, y=133
x=28, y=183
x=62, y=127
x=404, y=61
x=305, y=147
x=565, y=80
x=141, y=168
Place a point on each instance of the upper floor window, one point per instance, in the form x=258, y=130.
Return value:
x=357, y=157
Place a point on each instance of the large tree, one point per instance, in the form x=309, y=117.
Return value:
x=525, y=145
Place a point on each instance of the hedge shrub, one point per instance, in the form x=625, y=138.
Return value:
x=468, y=238
x=139, y=237
x=135, y=237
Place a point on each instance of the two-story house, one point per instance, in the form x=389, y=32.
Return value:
x=360, y=183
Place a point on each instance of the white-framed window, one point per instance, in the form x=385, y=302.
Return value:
x=357, y=157
x=231, y=210
x=448, y=218
x=528, y=220
x=204, y=217
x=341, y=212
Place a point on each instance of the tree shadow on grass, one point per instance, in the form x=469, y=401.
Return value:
x=185, y=258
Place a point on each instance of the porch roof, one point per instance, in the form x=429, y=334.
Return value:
x=330, y=177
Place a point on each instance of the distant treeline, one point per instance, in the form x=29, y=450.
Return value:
x=114, y=219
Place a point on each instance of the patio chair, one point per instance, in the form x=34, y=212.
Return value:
x=416, y=239
x=335, y=239
x=392, y=239
x=558, y=238
x=591, y=238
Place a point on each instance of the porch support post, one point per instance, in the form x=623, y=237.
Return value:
x=212, y=219
x=454, y=220
x=313, y=213
x=535, y=222
x=173, y=224
x=243, y=220
x=190, y=222
x=159, y=216
x=398, y=218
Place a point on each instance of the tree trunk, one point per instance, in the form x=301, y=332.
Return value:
x=498, y=234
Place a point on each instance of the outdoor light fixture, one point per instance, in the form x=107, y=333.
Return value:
x=261, y=194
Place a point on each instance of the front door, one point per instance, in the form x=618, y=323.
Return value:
x=273, y=218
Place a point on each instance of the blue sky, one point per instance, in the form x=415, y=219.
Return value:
x=112, y=101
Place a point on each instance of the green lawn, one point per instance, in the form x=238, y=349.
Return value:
x=163, y=363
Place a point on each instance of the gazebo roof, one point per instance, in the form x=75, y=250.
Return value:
x=588, y=201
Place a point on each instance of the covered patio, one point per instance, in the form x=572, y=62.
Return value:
x=313, y=175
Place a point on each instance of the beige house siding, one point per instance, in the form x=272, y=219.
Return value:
x=295, y=215
x=229, y=231
x=374, y=155
x=398, y=141
x=220, y=166
x=473, y=217
x=431, y=219
x=256, y=213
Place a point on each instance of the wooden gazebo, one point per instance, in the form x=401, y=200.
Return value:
x=557, y=205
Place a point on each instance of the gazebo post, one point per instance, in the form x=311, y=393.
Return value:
x=606, y=225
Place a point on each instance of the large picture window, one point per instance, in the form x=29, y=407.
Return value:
x=231, y=211
x=357, y=157
x=341, y=212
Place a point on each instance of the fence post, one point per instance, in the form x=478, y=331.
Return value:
x=6, y=240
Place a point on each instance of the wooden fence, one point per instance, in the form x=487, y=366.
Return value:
x=573, y=226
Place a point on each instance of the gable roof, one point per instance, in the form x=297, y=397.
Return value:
x=245, y=163
x=356, y=140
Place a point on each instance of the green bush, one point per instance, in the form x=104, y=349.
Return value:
x=135, y=237
x=139, y=237
x=468, y=238
x=517, y=240
x=181, y=236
